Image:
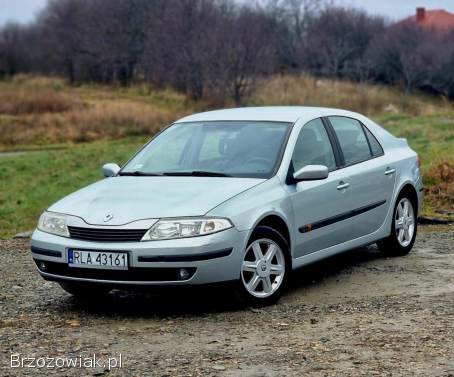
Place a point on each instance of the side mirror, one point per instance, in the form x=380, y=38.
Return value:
x=311, y=173
x=110, y=170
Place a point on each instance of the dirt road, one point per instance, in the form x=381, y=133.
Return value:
x=355, y=314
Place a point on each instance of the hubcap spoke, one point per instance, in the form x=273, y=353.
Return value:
x=276, y=269
x=267, y=287
x=406, y=235
x=399, y=224
x=249, y=266
x=257, y=251
x=254, y=282
x=405, y=208
x=270, y=253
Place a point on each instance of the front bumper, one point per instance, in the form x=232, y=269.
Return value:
x=209, y=259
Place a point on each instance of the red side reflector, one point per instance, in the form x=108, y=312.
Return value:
x=305, y=228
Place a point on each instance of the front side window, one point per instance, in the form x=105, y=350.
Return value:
x=313, y=147
x=351, y=138
x=236, y=149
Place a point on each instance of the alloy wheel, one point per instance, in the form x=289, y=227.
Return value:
x=404, y=222
x=263, y=268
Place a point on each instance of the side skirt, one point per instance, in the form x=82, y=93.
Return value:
x=337, y=249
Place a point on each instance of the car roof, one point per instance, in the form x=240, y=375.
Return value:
x=266, y=113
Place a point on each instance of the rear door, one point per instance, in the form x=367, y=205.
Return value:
x=370, y=177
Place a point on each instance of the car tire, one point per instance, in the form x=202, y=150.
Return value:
x=86, y=291
x=403, y=229
x=265, y=268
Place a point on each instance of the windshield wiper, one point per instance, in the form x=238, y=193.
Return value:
x=139, y=174
x=196, y=173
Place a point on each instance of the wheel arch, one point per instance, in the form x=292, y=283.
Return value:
x=409, y=189
x=276, y=222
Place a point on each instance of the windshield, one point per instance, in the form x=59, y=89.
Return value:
x=232, y=149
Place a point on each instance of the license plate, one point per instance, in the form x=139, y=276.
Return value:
x=98, y=259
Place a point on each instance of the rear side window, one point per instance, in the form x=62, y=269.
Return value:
x=375, y=146
x=352, y=139
x=313, y=147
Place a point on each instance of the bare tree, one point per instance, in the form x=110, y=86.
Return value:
x=403, y=54
x=117, y=30
x=246, y=51
x=12, y=54
x=337, y=39
x=220, y=48
x=62, y=22
x=180, y=43
x=292, y=19
x=442, y=77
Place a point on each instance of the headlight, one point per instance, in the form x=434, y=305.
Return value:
x=182, y=228
x=53, y=223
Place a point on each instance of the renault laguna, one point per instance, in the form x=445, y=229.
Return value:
x=243, y=196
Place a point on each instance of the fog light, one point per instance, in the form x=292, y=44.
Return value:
x=42, y=266
x=183, y=274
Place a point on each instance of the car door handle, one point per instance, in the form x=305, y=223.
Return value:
x=390, y=171
x=342, y=185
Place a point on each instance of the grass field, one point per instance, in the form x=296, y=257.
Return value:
x=36, y=111
x=70, y=132
x=30, y=182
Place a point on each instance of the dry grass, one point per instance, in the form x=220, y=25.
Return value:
x=441, y=194
x=40, y=110
x=103, y=120
x=367, y=99
x=35, y=110
x=22, y=102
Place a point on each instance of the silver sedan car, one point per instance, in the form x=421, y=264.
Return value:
x=241, y=195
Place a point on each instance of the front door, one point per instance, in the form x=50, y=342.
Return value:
x=317, y=203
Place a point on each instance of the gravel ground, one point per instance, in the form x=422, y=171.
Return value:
x=355, y=314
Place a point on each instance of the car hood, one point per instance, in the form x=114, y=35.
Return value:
x=135, y=198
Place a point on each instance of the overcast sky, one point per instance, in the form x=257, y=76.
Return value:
x=19, y=10
x=25, y=10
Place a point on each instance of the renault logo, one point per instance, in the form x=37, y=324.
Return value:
x=108, y=217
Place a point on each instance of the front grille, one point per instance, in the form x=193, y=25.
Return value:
x=132, y=274
x=106, y=235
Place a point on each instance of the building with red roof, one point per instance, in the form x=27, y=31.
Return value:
x=438, y=19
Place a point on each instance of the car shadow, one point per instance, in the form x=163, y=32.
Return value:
x=203, y=300
x=332, y=266
x=156, y=302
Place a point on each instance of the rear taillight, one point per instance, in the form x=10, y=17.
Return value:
x=418, y=161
